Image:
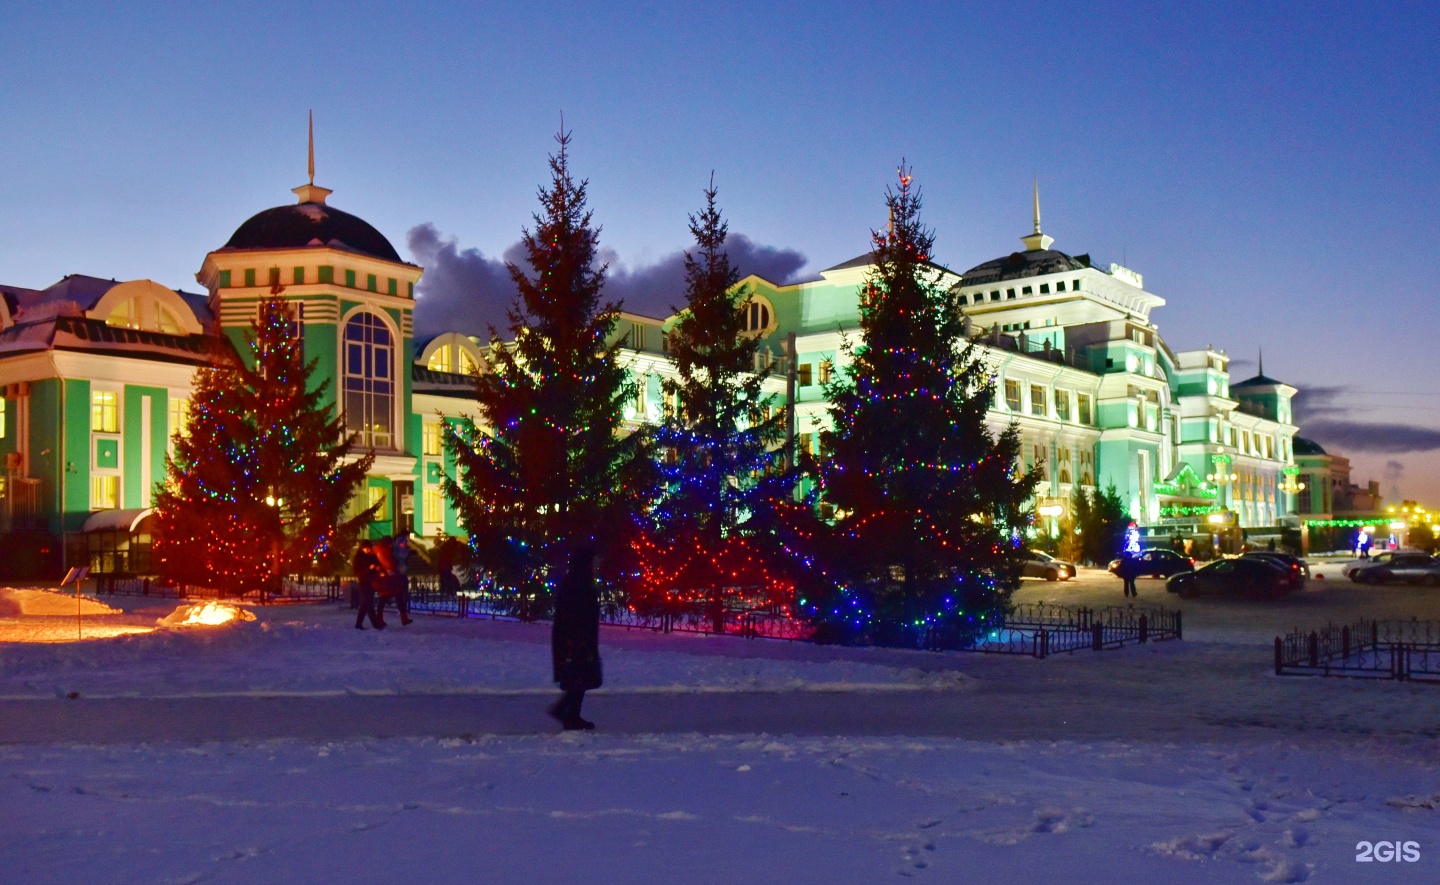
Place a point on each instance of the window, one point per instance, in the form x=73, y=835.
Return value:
x=757, y=316
x=179, y=409
x=250, y=277
x=451, y=358
x=434, y=504
x=326, y=274
x=994, y=296
x=1038, y=454
x=104, y=492
x=1060, y=286
x=1062, y=405
x=803, y=375
x=350, y=278
x=964, y=299
x=1009, y=293
x=827, y=368
x=376, y=496
x=411, y=290
x=104, y=411
x=371, y=282
x=1012, y=395
x=369, y=380
x=431, y=438
x=224, y=280
x=1083, y=409
x=393, y=287
x=1026, y=290
x=664, y=342
x=274, y=277
x=1063, y=457
x=1087, y=469
x=1038, y=404
x=298, y=276
x=1044, y=288
x=2, y=423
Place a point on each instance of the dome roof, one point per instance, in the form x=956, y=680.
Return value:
x=1303, y=446
x=312, y=223
x=1030, y=263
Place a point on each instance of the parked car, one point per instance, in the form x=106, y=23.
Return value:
x=1405, y=568
x=1245, y=576
x=1158, y=564
x=1043, y=565
x=1294, y=563
x=1348, y=569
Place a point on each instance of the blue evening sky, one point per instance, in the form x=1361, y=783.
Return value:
x=1270, y=168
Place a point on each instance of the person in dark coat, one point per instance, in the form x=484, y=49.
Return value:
x=575, y=639
x=1128, y=571
x=367, y=567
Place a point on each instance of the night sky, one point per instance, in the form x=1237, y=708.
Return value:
x=1270, y=168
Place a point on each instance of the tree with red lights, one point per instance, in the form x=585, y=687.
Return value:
x=552, y=470
x=262, y=472
x=720, y=436
x=929, y=502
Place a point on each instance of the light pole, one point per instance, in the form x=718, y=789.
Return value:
x=276, y=505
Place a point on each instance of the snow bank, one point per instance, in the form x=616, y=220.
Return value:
x=49, y=603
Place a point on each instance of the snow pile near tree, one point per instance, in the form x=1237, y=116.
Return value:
x=49, y=603
x=207, y=614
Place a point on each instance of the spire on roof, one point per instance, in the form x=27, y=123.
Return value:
x=1037, y=241
x=1261, y=368
x=312, y=192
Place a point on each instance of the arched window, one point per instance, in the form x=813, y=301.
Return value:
x=451, y=358
x=757, y=315
x=370, y=381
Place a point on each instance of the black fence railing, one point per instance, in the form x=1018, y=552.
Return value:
x=1043, y=630
x=1373, y=649
x=296, y=588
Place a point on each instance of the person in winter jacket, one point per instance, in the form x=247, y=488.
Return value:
x=400, y=549
x=1128, y=571
x=575, y=640
x=367, y=568
x=390, y=581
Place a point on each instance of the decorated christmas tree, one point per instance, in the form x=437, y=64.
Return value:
x=551, y=469
x=719, y=441
x=261, y=474
x=929, y=503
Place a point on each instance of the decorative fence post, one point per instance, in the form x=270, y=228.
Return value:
x=1097, y=637
x=1144, y=629
x=1279, y=657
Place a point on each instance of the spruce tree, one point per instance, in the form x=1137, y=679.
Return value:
x=721, y=435
x=550, y=469
x=929, y=503
x=260, y=478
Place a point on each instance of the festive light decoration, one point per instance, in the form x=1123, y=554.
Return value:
x=262, y=472
x=933, y=505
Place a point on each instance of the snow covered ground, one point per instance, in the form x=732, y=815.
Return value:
x=296, y=748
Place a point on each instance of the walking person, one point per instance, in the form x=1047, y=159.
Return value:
x=366, y=568
x=388, y=582
x=400, y=550
x=575, y=640
x=1129, y=570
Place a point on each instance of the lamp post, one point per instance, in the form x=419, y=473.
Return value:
x=1051, y=512
x=276, y=505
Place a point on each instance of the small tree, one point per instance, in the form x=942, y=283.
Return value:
x=551, y=469
x=1105, y=532
x=262, y=473
x=930, y=504
x=721, y=435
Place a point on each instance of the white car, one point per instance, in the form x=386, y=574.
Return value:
x=1348, y=569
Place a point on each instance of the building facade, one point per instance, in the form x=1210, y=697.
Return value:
x=97, y=375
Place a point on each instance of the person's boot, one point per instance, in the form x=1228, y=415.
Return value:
x=575, y=723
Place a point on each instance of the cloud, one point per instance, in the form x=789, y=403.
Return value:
x=464, y=290
x=1318, y=403
x=1350, y=436
x=1394, y=473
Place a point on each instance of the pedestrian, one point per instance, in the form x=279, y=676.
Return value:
x=446, y=559
x=1129, y=570
x=400, y=548
x=575, y=640
x=366, y=568
x=387, y=585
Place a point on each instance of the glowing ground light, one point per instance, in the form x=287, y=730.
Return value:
x=207, y=614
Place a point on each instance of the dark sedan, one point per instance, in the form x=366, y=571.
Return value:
x=1294, y=563
x=1402, y=568
x=1252, y=576
x=1157, y=564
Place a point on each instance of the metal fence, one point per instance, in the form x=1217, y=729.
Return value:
x=1373, y=649
x=1042, y=630
x=295, y=588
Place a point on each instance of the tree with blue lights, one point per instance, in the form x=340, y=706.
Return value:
x=552, y=469
x=720, y=437
x=929, y=503
x=262, y=472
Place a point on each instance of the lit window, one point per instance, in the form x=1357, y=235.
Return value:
x=377, y=498
x=1083, y=409
x=104, y=492
x=104, y=411
x=432, y=437
x=1037, y=400
x=434, y=507
x=826, y=369
x=803, y=375
x=369, y=380
x=2, y=419
x=179, y=417
x=451, y=358
x=1062, y=405
x=1012, y=395
x=125, y=316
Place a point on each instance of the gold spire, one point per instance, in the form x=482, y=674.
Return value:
x=1037, y=241
x=312, y=192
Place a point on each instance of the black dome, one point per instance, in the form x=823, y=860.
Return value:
x=312, y=224
x=1033, y=263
